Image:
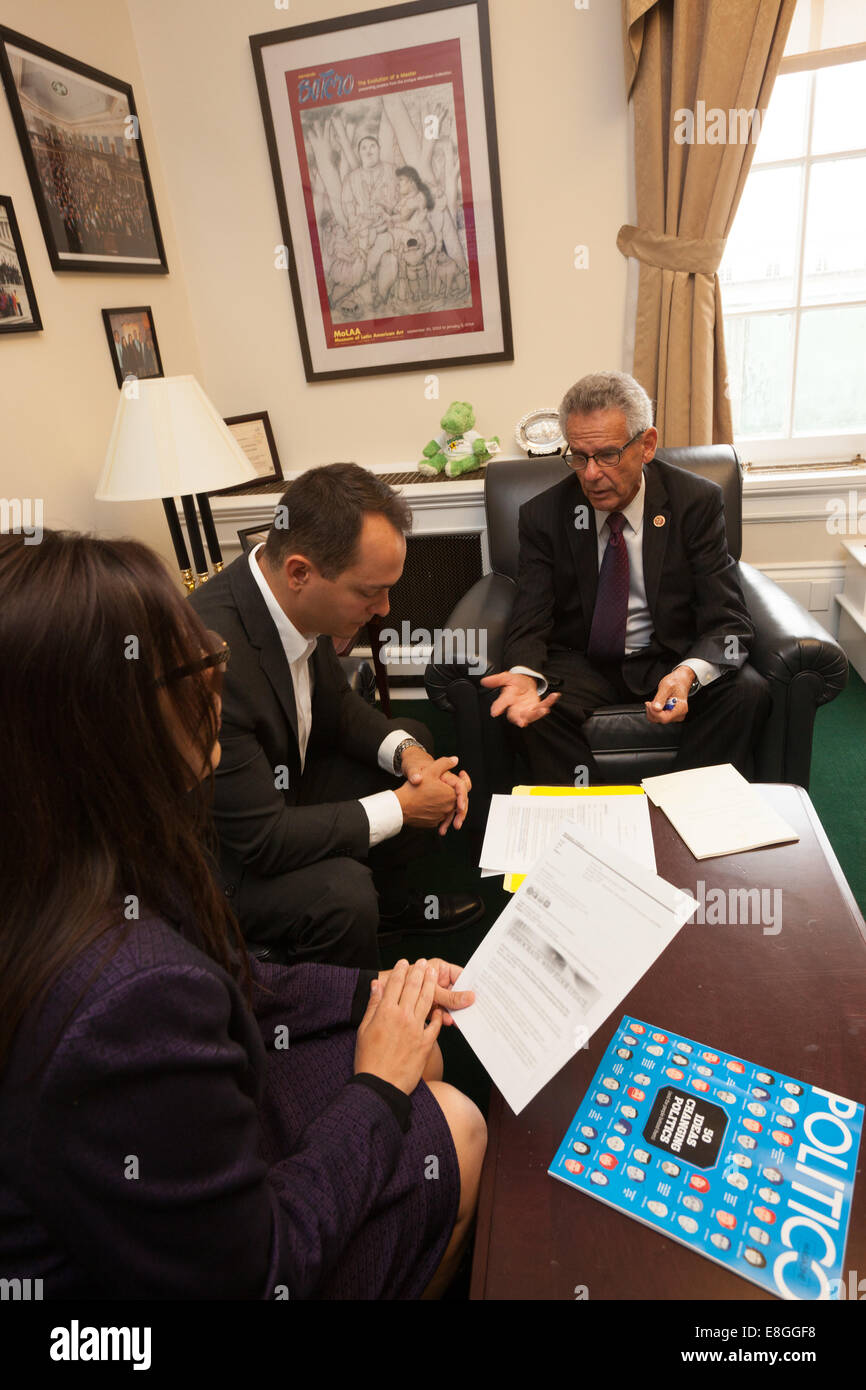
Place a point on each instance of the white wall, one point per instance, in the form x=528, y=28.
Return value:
x=562, y=123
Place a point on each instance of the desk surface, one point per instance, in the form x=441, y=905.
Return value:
x=794, y=1001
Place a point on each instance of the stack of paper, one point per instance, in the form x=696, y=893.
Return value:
x=582, y=929
x=716, y=811
x=521, y=828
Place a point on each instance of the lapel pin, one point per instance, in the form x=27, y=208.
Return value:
x=658, y=521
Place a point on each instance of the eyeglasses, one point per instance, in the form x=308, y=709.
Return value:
x=605, y=458
x=216, y=659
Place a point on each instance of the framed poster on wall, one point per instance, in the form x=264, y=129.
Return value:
x=382, y=138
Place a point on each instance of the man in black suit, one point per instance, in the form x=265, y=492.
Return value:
x=310, y=789
x=626, y=591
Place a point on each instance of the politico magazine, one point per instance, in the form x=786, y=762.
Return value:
x=750, y=1167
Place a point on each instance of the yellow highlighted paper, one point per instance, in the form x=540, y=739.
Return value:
x=512, y=882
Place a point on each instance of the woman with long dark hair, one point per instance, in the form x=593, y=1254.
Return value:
x=175, y=1120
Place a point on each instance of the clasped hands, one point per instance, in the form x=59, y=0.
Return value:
x=408, y=1006
x=433, y=794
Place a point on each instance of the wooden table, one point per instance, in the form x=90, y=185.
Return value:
x=794, y=1001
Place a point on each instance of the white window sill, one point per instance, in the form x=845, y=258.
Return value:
x=759, y=482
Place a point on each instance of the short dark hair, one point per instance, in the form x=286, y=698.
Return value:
x=324, y=511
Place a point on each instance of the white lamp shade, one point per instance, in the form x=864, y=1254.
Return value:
x=169, y=440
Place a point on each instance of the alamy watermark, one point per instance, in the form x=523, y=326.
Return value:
x=448, y=646
x=22, y=516
x=718, y=907
x=846, y=516
x=20, y=1290
x=713, y=126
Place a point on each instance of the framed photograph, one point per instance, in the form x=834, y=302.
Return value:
x=256, y=438
x=82, y=146
x=19, y=312
x=252, y=536
x=132, y=343
x=382, y=139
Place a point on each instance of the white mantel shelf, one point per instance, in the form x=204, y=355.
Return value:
x=454, y=505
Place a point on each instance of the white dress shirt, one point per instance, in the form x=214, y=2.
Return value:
x=383, y=810
x=639, y=623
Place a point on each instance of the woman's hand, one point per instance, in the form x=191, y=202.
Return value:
x=444, y=997
x=394, y=1039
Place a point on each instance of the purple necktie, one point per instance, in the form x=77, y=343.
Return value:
x=607, y=635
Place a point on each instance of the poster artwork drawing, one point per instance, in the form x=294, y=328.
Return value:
x=392, y=235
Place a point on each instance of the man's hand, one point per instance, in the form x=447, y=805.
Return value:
x=676, y=686
x=415, y=766
x=444, y=997
x=519, y=698
x=428, y=800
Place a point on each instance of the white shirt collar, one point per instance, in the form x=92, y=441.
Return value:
x=633, y=513
x=295, y=644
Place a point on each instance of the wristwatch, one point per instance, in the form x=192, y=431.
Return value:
x=400, y=750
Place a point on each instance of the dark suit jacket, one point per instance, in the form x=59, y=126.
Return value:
x=158, y=1056
x=261, y=827
x=692, y=590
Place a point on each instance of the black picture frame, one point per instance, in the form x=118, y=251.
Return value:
x=139, y=316
x=98, y=175
x=451, y=302
x=250, y=536
x=16, y=316
x=275, y=475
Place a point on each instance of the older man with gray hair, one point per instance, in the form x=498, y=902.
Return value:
x=626, y=591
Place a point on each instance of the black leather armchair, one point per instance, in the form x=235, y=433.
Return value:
x=803, y=664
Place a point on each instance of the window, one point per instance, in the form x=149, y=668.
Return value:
x=793, y=276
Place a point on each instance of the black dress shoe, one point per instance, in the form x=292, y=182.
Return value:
x=431, y=912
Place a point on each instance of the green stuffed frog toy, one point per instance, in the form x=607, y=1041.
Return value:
x=459, y=448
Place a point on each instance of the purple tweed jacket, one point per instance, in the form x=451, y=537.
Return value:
x=131, y=1164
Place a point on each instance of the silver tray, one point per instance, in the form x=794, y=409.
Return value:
x=538, y=432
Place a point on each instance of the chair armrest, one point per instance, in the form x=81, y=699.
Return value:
x=478, y=624
x=789, y=642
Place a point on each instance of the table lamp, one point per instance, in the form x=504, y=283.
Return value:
x=170, y=441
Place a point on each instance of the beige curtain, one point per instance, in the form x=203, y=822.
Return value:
x=725, y=54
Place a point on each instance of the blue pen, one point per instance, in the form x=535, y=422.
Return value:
x=671, y=702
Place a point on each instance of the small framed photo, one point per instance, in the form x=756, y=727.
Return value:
x=132, y=343
x=256, y=438
x=19, y=312
x=80, y=139
x=252, y=536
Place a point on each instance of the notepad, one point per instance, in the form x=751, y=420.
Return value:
x=716, y=811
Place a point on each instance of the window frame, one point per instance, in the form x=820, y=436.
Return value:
x=812, y=452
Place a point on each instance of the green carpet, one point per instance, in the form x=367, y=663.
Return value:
x=838, y=785
x=838, y=791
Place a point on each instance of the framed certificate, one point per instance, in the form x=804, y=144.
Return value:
x=256, y=438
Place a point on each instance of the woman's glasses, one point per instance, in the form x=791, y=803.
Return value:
x=215, y=660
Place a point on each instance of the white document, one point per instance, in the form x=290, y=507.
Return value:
x=584, y=926
x=716, y=811
x=520, y=829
